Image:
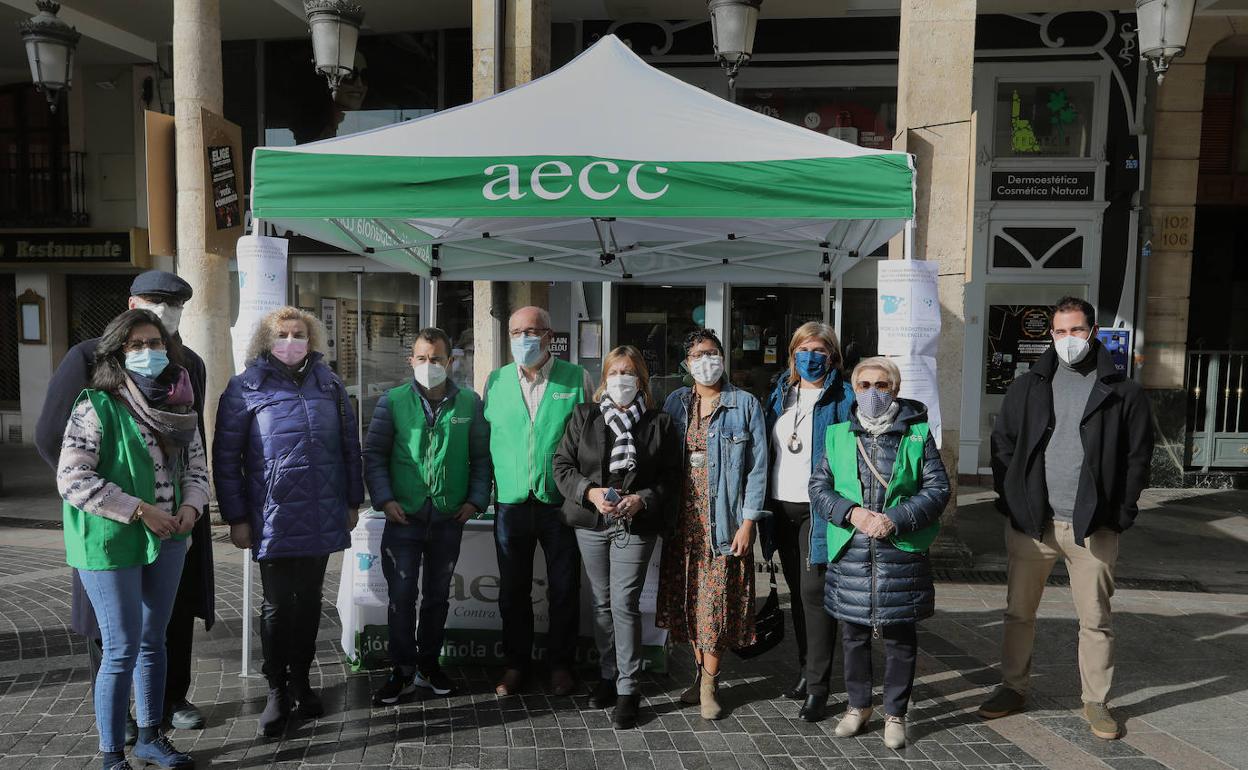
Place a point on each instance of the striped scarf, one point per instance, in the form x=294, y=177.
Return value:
x=621, y=422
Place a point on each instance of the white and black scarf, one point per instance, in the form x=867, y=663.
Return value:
x=621, y=422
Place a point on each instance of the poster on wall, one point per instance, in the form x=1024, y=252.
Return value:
x=261, y=287
x=1118, y=343
x=909, y=307
x=223, y=181
x=1017, y=336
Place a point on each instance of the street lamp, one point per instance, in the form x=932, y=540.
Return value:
x=1164, y=26
x=50, y=46
x=335, y=27
x=732, y=28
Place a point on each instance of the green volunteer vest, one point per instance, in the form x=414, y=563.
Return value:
x=842, y=451
x=523, y=450
x=97, y=542
x=430, y=461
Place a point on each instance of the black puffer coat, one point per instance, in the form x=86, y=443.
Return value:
x=875, y=583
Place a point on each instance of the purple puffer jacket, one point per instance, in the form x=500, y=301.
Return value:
x=286, y=458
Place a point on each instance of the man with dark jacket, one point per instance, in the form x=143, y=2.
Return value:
x=1070, y=456
x=427, y=466
x=164, y=294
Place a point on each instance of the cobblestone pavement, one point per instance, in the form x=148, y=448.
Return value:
x=1180, y=686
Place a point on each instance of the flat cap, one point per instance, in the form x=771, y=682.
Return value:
x=160, y=283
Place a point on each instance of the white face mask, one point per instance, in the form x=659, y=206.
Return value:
x=429, y=375
x=1072, y=349
x=707, y=370
x=169, y=316
x=622, y=388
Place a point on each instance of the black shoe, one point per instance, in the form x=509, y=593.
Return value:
x=276, y=712
x=798, y=690
x=122, y=764
x=625, y=715
x=132, y=730
x=307, y=701
x=432, y=678
x=397, y=686
x=815, y=708
x=162, y=753
x=184, y=716
x=603, y=695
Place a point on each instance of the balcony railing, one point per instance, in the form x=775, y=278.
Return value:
x=43, y=190
x=1217, y=419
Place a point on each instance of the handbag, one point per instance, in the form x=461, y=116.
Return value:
x=768, y=623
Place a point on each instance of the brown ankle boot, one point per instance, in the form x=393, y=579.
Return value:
x=709, y=696
x=693, y=694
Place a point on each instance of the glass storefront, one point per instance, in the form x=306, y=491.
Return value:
x=655, y=320
x=1044, y=120
x=865, y=116
x=763, y=321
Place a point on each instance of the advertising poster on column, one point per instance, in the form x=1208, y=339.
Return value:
x=909, y=323
x=1017, y=336
x=261, y=287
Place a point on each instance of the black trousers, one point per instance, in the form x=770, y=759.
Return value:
x=178, y=638
x=901, y=646
x=814, y=627
x=290, y=616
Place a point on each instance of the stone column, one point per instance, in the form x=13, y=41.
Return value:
x=935, y=123
x=526, y=55
x=205, y=326
x=1173, y=172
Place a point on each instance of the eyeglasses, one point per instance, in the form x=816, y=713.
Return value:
x=698, y=355
x=862, y=386
x=134, y=346
x=529, y=332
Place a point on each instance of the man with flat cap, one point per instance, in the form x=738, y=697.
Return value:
x=164, y=294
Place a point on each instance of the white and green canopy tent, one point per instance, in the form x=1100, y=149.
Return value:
x=604, y=170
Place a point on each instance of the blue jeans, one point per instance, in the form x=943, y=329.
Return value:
x=433, y=543
x=518, y=529
x=133, y=606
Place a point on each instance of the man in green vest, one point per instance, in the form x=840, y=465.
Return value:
x=527, y=404
x=427, y=466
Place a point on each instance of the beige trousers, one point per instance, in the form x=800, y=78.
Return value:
x=1091, y=571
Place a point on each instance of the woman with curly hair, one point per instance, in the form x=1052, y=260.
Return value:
x=286, y=463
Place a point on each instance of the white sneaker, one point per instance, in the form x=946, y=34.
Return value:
x=894, y=731
x=853, y=722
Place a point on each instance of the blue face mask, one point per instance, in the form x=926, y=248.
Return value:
x=526, y=350
x=812, y=365
x=147, y=362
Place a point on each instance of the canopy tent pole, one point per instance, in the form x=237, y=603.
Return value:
x=836, y=308
x=909, y=240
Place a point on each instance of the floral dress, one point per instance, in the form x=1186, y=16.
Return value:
x=705, y=599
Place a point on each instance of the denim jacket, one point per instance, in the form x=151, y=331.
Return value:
x=736, y=459
x=833, y=406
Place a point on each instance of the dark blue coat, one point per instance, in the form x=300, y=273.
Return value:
x=874, y=582
x=286, y=458
x=832, y=407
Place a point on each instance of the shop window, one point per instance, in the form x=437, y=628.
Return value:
x=1044, y=120
x=763, y=321
x=865, y=116
x=655, y=320
x=1025, y=248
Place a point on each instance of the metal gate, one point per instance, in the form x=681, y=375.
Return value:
x=93, y=301
x=10, y=380
x=1217, y=422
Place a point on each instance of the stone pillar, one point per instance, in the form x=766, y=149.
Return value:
x=205, y=326
x=1174, y=169
x=526, y=55
x=935, y=124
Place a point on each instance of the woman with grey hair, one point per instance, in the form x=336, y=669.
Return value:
x=881, y=486
x=286, y=463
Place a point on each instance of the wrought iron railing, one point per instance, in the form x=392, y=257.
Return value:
x=1217, y=417
x=43, y=190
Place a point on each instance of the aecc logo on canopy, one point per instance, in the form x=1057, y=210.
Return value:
x=554, y=179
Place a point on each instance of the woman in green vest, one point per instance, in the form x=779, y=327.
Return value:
x=881, y=487
x=134, y=479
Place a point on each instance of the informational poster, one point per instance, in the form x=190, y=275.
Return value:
x=1118, y=343
x=909, y=307
x=261, y=287
x=224, y=187
x=918, y=382
x=223, y=180
x=590, y=339
x=560, y=345
x=473, y=625
x=1017, y=336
